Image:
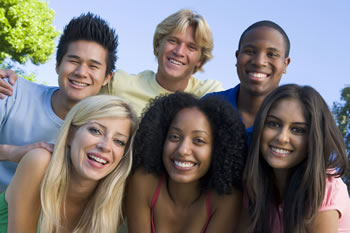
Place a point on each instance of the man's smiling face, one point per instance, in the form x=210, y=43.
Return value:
x=178, y=56
x=261, y=60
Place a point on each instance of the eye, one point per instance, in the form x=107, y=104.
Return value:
x=95, y=131
x=199, y=141
x=171, y=40
x=93, y=66
x=73, y=61
x=272, y=124
x=173, y=137
x=248, y=51
x=299, y=130
x=272, y=55
x=192, y=47
x=119, y=142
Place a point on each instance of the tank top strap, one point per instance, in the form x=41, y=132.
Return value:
x=208, y=207
x=156, y=194
x=208, y=204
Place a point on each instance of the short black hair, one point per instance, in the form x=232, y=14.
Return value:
x=89, y=27
x=270, y=24
x=229, y=144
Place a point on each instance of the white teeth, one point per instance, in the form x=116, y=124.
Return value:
x=175, y=62
x=79, y=83
x=280, y=151
x=257, y=75
x=183, y=164
x=97, y=159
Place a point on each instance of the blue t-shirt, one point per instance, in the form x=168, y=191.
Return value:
x=26, y=117
x=231, y=95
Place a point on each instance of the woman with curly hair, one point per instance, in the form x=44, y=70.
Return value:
x=79, y=188
x=188, y=162
x=294, y=167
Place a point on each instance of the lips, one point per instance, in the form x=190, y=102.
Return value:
x=78, y=84
x=280, y=151
x=96, y=160
x=257, y=75
x=183, y=165
x=175, y=62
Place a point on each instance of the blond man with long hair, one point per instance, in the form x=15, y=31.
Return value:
x=79, y=188
x=182, y=44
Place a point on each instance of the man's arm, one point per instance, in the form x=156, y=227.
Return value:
x=6, y=88
x=15, y=153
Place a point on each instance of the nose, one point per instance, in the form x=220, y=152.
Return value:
x=81, y=70
x=259, y=59
x=283, y=135
x=184, y=147
x=180, y=49
x=104, y=144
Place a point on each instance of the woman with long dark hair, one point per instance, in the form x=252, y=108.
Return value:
x=294, y=167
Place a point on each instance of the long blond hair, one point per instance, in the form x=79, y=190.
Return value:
x=103, y=213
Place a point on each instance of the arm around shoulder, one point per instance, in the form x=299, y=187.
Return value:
x=140, y=189
x=23, y=193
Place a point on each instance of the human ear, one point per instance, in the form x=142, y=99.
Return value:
x=108, y=78
x=286, y=63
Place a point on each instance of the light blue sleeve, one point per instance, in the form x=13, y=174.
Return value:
x=7, y=103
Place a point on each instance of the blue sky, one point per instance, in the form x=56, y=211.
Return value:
x=318, y=31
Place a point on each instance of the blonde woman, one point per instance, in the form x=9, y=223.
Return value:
x=79, y=188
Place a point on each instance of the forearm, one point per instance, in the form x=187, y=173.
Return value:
x=15, y=153
x=5, y=151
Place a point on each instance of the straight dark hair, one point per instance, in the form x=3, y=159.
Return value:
x=89, y=27
x=305, y=188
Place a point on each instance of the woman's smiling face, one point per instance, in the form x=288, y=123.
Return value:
x=97, y=147
x=188, y=146
x=285, y=135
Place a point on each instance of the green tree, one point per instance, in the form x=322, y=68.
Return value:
x=26, y=31
x=341, y=111
x=26, y=34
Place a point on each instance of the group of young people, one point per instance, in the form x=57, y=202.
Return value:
x=254, y=158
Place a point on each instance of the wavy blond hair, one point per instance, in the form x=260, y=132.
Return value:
x=179, y=22
x=103, y=212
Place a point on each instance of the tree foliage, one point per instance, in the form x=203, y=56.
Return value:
x=341, y=111
x=26, y=31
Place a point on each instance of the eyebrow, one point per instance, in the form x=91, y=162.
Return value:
x=253, y=46
x=78, y=58
x=195, y=131
x=104, y=128
x=298, y=123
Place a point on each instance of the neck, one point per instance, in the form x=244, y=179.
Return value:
x=60, y=104
x=172, y=85
x=281, y=179
x=183, y=194
x=248, y=106
x=80, y=191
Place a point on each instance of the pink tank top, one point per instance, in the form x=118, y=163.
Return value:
x=155, y=198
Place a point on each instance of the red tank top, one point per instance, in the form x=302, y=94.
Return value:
x=155, y=198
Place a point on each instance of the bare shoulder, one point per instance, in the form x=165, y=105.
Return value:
x=143, y=182
x=142, y=177
x=225, y=211
x=222, y=200
x=38, y=157
x=30, y=171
